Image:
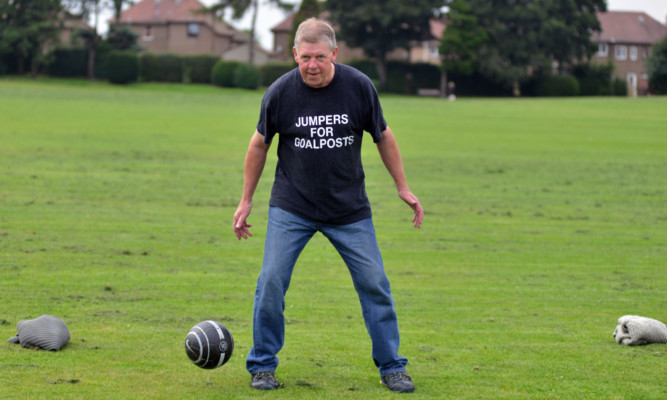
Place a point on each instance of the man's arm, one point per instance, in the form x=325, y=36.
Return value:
x=391, y=157
x=255, y=160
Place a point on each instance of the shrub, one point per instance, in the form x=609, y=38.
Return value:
x=223, y=73
x=246, y=77
x=425, y=76
x=594, y=80
x=399, y=79
x=558, y=85
x=274, y=70
x=197, y=69
x=620, y=87
x=69, y=62
x=656, y=67
x=122, y=67
x=368, y=67
x=161, y=68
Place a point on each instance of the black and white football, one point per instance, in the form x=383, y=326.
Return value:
x=209, y=344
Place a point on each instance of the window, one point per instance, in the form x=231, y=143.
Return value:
x=602, y=49
x=193, y=29
x=621, y=53
x=633, y=53
x=148, y=33
x=435, y=52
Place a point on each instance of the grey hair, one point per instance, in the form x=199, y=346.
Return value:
x=315, y=30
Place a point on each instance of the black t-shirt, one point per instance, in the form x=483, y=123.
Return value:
x=319, y=174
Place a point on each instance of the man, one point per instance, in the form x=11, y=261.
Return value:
x=320, y=111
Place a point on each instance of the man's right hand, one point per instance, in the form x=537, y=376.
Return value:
x=241, y=224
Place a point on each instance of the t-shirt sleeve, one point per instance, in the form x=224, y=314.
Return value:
x=375, y=122
x=267, y=124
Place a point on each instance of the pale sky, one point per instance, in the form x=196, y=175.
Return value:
x=270, y=16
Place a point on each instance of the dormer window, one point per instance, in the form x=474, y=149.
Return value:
x=193, y=29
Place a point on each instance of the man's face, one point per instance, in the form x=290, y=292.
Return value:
x=315, y=63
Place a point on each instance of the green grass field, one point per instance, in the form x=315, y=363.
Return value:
x=546, y=220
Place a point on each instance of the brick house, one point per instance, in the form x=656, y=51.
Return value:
x=176, y=27
x=625, y=40
x=419, y=52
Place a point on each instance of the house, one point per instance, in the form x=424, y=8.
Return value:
x=71, y=25
x=625, y=40
x=419, y=52
x=179, y=27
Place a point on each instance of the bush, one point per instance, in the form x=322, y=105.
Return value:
x=594, y=80
x=656, y=67
x=620, y=87
x=197, y=69
x=161, y=68
x=247, y=77
x=274, y=70
x=402, y=77
x=122, y=67
x=558, y=85
x=69, y=62
x=425, y=76
x=368, y=67
x=223, y=73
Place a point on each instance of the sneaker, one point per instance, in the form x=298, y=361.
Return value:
x=399, y=382
x=264, y=381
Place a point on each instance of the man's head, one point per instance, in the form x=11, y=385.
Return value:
x=315, y=51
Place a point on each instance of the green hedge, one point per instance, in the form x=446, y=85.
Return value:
x=620, y=87
x=197, y=69
x=223, y=73
x=122, y=67
x=161, y=68
x=271, y=71
x=402, y=77
x=594, y=80
x=247, y=77
x=558, y=85
x=69, y=62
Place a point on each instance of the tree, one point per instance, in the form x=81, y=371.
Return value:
x=87, y=9
x=121, y=37
x=118, y=8
x=308, y=9
x=380, y=26
x=656, y=67
x=26, y=27
x=524, y=37
x=239, y=9
x=462, y=39
x=568, y=28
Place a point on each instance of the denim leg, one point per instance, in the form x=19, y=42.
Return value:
x=286, y=236
x=357, y=245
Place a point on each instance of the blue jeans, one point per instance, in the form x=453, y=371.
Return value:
x=286, y=236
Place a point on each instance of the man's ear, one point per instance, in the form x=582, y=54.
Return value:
x=296, y=57
x=334, y=54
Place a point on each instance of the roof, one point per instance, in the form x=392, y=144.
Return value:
x=285, y=25
x=179, y=11
x=629, y=27
x=157, y=11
